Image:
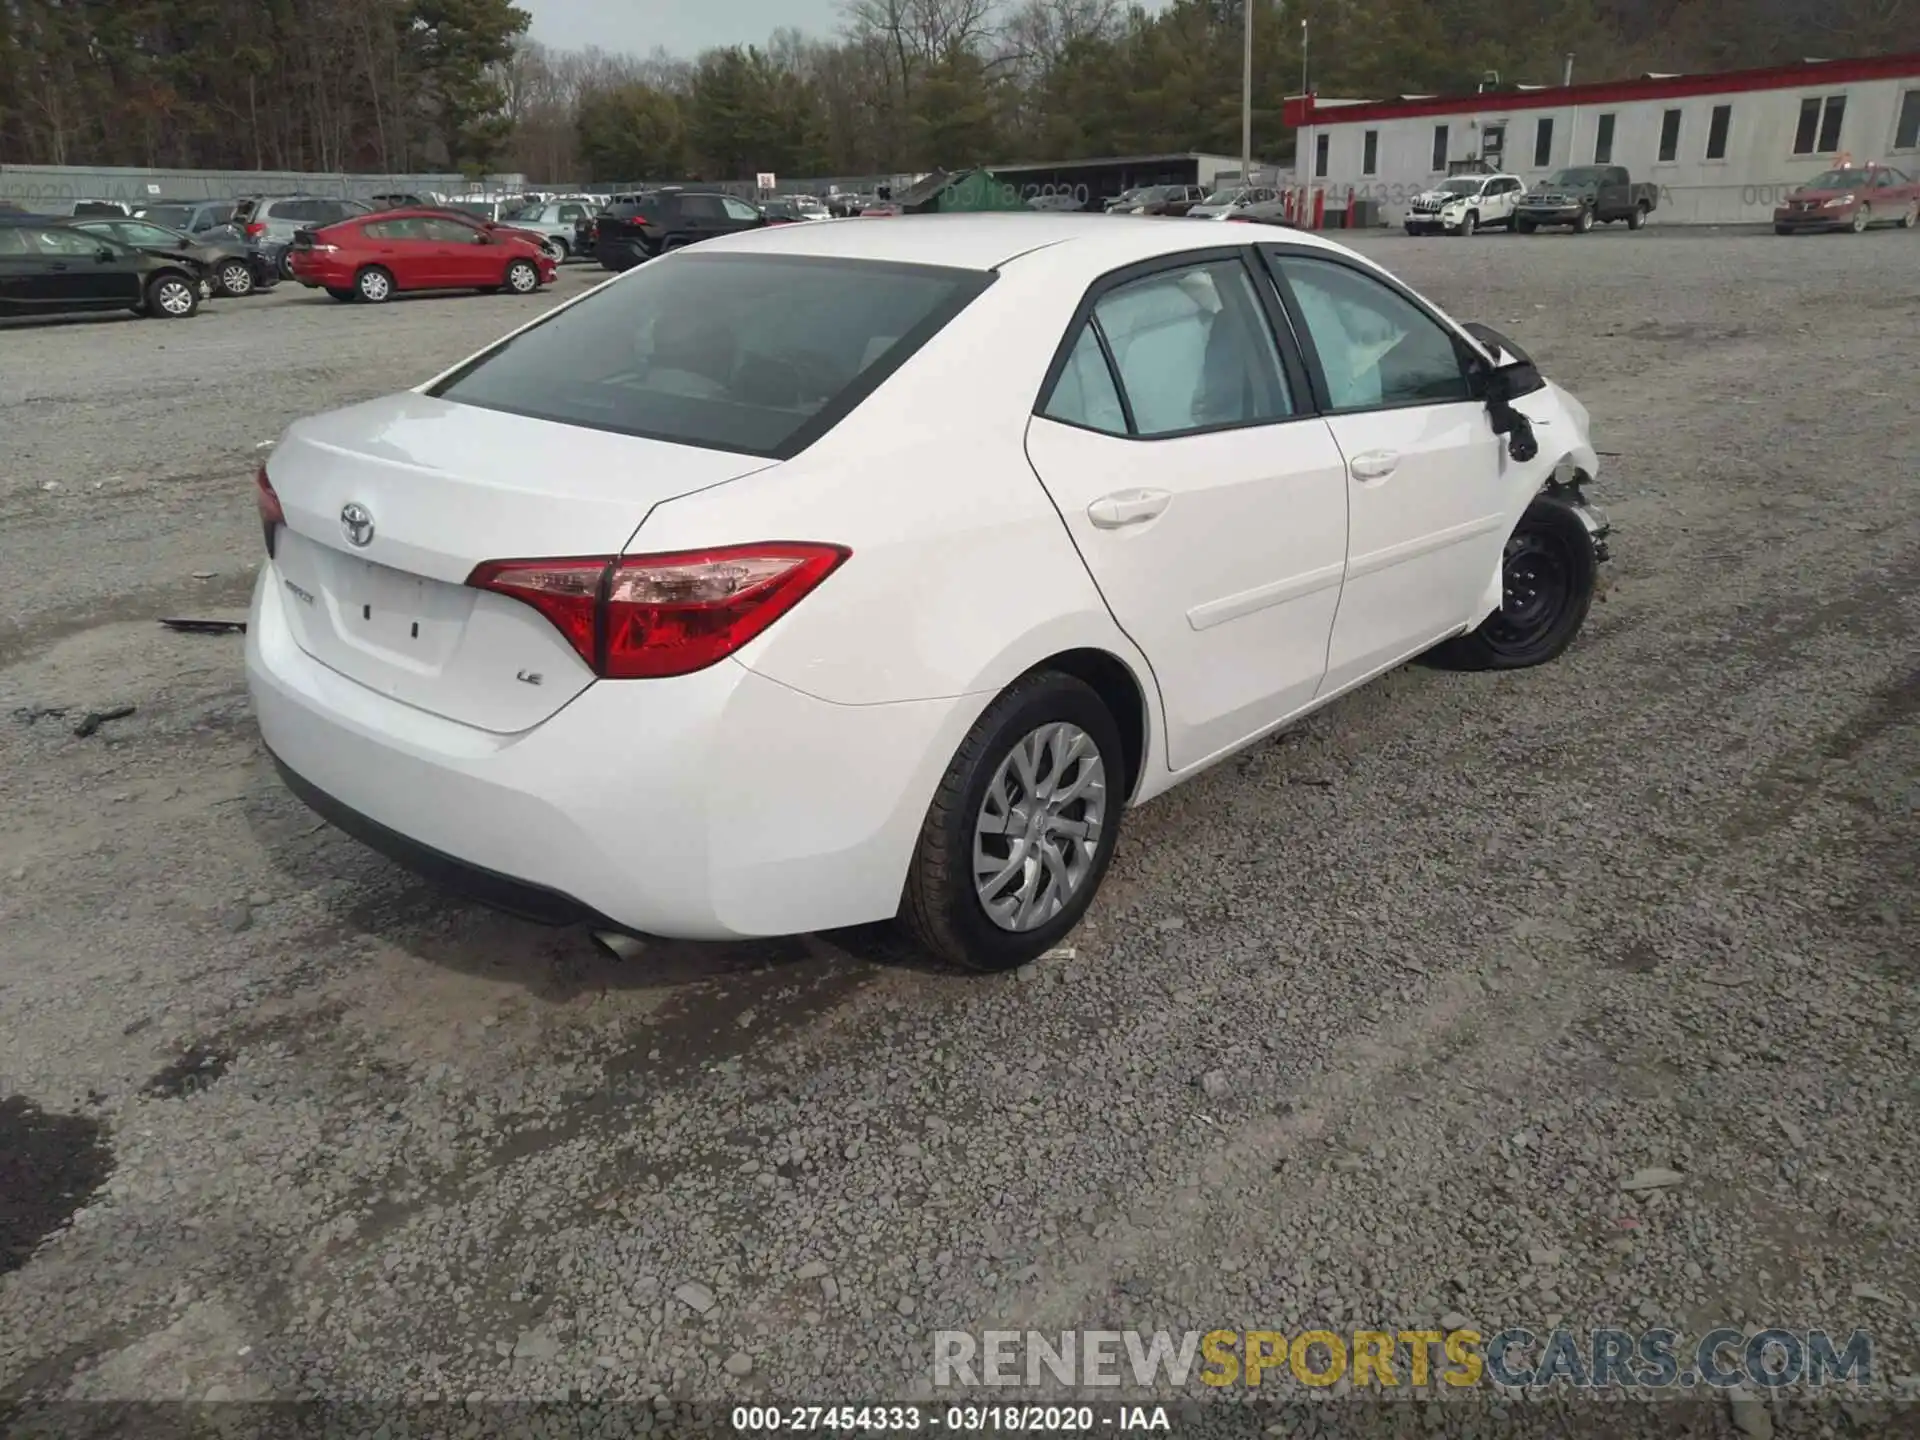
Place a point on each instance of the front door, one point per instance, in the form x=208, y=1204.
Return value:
x=88, y=270
x=467, y=254
x=1206, y=498
x=1427, y=488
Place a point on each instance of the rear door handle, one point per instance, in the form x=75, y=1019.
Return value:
x=1128, y=507
x=1374, y=465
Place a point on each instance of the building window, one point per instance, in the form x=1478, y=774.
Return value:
x=1370, y=153
x=1603, y=141
x=1830, y=123
x=1717, y=129
x=1669, y=136
x=1543, y=142
x=1440, y=147
x=1320, y=154
x=1906, y=129
x=1821, y=117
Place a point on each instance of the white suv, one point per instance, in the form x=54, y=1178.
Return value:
x=1464, y=204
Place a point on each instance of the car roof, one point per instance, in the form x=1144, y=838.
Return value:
x=988, y=241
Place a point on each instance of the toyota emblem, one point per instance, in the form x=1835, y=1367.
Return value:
x=357, y=521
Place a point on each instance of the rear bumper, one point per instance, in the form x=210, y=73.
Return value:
x=720, y=805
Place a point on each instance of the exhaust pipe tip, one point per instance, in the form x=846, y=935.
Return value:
x=617, y=946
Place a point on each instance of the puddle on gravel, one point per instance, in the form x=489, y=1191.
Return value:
x=197, y=1068
x=49, y=1166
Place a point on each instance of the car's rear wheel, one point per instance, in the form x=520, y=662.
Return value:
x=1638, y=218
x=1548, y=576
x=1783, y=229
x=236, y=278
x=374, y=285
x=522, y=277
x=562, y=251
x=172, y=297
x=283, y=264
x=1525, y=227
x=1022, y=828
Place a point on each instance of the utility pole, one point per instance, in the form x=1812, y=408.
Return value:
x=1246, y=97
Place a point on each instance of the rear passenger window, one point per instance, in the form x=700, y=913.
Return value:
x=1084, y=394
x=1193, y=350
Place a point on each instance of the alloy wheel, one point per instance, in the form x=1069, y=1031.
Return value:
x=174, y=296
x=1038, y=831
x=236, y=279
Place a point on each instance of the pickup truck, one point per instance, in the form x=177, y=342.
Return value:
x=1584, y=195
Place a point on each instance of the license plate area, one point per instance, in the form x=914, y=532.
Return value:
x=405, y=619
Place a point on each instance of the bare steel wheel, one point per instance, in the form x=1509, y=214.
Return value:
x=1548, y=575
x=1022, y=827
x=1039, y=827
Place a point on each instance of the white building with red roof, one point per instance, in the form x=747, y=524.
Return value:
x=1723, y=148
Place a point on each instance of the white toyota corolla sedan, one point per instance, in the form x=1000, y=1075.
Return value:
x=830, y=573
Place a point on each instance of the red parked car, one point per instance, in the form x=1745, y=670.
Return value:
x=371, y=257
x=1851, y=197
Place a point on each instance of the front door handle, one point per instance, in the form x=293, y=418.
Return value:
x=1127, y=507
x=1374, y=465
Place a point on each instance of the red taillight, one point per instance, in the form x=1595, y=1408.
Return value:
x=272, y=517
x=256, y=228
x=646, y=617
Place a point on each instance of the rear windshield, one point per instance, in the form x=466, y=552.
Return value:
x=760, y=354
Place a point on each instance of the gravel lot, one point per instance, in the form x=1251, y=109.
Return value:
x=1368, y=1026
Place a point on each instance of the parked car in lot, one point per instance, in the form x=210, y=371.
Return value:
x=1227, y=203
x=235, y=267
x=638, y=227
x=1163, y=200
x=1583, y=196
x=48, y=266
x=722, y=675
x=375, y=257
x=1851, y=197
x=1058, y=201
x=556, y=220
x=191, y=217
x=794, y=209
x=271, y=221
x=1465, y=203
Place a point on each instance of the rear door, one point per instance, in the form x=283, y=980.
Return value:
x=1427, y=486
x=20, y=267
x=1207, y=499
x=700, y=217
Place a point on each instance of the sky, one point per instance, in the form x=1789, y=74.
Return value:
x=683, y=27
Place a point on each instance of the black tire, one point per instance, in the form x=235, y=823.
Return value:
x=563, y=252
x=523, y=277
x=235, y=277
x=940, y=905
x=345, y=295
x=1550, y=573
x=1912, y=218
x=1525, y=227
x=283, y=263
x=1783, y=229
x=1585, y=223
x=1862, y=218
x=374, y=285
x=1470, y=222
x=1638, y=218
x=172, y=296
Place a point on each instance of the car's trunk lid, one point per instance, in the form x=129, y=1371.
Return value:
x=390, y=506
